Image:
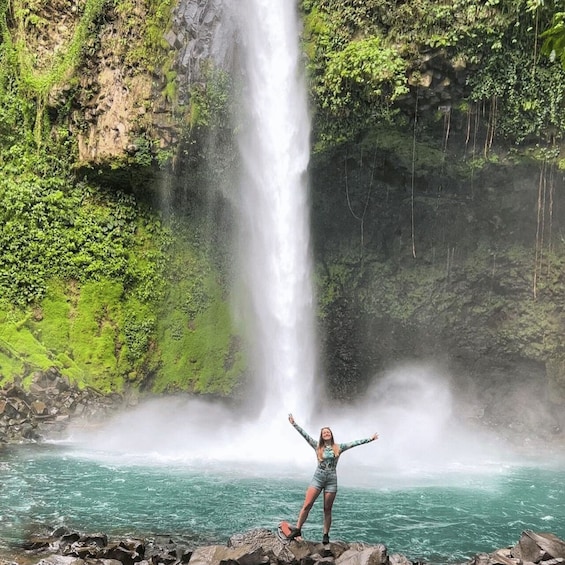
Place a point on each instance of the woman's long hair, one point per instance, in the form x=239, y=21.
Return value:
x=322, y=445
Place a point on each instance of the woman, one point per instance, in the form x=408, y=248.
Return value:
x=325, y=476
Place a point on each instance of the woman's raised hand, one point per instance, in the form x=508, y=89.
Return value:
x=375, y=436
x=291, y=419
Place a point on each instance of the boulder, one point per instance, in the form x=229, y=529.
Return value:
x=535, y=547
x=369, y=555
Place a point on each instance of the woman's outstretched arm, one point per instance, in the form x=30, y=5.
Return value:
x=304, y=434
x=349, y=445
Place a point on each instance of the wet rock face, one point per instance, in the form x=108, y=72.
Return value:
x=203, y=33
x=46, y=408
x=116, y=102
x=121, y=104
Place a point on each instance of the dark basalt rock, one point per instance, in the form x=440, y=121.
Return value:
x=256, y=547
x=47, y=406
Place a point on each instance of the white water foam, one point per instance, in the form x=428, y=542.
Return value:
x=421, y=440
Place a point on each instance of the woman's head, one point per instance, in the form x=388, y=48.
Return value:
x=326, y=438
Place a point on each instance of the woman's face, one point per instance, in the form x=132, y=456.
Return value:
x=326, y=434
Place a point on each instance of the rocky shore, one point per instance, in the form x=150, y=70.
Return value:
x=255, y=547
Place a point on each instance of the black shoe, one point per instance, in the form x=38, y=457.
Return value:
x=326, y=539
x=295, y=533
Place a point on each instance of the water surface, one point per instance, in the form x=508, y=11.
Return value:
x=440, y=517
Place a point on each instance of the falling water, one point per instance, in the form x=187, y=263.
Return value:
x=274, y=244
x=412, y=408
x=274, y=269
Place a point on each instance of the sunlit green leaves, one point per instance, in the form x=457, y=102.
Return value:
x=358, y=52
x=363, y=72
x=530, y=104
x=554, y=39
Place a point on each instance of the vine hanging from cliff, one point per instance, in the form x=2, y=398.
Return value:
x=495, y=44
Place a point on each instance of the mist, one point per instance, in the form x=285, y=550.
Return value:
x=413, y=408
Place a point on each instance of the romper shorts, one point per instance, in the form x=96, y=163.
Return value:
x=325, y=479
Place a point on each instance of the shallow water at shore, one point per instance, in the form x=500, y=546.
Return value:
x=446, y=516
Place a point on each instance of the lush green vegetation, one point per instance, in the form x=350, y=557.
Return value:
x=93, y=280
x=365, y=59
x=438, y=136
x=96, y=281
x=554, y=38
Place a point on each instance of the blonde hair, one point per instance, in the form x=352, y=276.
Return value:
x=322, y=445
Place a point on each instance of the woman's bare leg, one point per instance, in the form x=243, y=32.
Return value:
x=329, y=498
x=311, y=496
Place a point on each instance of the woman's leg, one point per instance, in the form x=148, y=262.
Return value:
x=329, y=498
x=311, y=496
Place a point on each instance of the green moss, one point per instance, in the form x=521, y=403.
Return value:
x=20, y=350
x=36, y=339
x=102, y=331
x=139, y=326
x=485, y=300
x=9, y=365
x=53, y=331
x=148, y=50
x=199, y=349
x=38, y=77
x=94, y=335
x=197, y=344
x=407, y=294
x=210, y=99
x=412, y=151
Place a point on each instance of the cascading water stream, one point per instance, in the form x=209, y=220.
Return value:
x=274, y=245
x=275, y=294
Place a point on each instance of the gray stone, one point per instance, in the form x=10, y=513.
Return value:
x=375, y=555
x=535, y=547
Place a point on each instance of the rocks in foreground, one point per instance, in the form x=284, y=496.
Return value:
x=256, y=547
x=543, y=549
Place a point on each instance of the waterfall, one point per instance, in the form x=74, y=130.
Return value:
x=274, y=143
x=274, y=289
x=412, y=407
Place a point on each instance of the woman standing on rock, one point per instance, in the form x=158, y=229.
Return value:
x=325, y=476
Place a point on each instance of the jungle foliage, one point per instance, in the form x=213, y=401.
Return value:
x=86, y=270
x=435, y=179
x=96, y=280
x=360, y=54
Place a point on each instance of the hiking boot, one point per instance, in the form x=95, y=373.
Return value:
x=295, y=533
